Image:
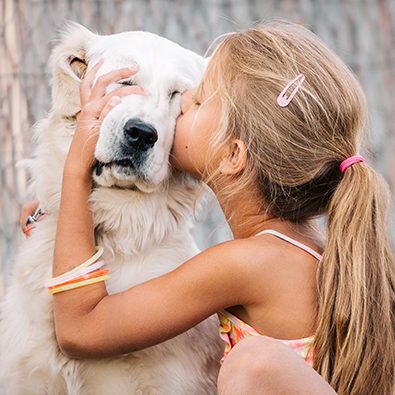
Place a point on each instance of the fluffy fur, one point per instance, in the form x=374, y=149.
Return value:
x=142, y=219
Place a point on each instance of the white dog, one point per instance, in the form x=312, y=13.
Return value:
x=142, y=211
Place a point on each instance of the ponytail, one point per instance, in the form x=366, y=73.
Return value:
x=355, y=342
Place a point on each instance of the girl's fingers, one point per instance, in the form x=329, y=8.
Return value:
x=87, y=82
x=92, y=110
x=112, y=99
x=109, y=106
x=27, y=209
x=99, y=89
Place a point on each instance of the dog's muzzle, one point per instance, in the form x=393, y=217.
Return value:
x=132, y=156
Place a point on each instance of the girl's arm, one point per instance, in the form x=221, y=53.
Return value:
x=89, y=322
x=154, y=311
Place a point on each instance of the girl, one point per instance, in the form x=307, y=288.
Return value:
x=274, y=129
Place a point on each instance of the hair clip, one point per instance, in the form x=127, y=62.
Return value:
x=283, y=100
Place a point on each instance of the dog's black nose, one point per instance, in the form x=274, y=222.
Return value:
x=140, y=135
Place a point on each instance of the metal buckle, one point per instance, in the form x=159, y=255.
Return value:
x=34, y=218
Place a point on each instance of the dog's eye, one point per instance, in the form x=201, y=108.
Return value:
x=126, y=83
x=173, y=94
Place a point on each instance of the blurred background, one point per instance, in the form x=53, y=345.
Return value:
x=362, y=32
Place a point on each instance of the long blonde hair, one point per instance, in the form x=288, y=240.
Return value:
x=294, y=155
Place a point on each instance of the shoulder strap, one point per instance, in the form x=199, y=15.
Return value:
x=296, y=243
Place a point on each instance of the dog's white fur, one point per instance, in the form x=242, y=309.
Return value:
x=141, y=216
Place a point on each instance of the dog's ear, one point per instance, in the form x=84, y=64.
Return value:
x=68, y=65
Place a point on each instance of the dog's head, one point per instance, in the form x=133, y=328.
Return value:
x=136, y=136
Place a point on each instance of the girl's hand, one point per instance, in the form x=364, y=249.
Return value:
x=27, y=209
x=95, y=105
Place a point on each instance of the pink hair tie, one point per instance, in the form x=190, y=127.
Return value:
x=283, y=100
x=351, y=161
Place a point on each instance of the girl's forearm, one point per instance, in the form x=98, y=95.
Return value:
x=74, y=235
x=74, y=244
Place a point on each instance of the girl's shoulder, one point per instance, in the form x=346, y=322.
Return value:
x=244, y=272
x=268, y=263
x=251, y=250
x=267, y=248
x=251, y=262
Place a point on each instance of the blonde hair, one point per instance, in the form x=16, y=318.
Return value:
x=294, y=155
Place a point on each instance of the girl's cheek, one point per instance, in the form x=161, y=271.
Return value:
x=179, y=138
x=177, y=131
x=182, y=153
x=182, y=130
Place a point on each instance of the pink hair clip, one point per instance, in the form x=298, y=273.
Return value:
x=283, y=100
x=351, y=161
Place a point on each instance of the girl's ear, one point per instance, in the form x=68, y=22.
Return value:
x=235, y=160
